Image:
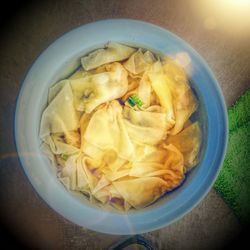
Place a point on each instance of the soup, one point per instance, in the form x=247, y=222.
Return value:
x=118, y=130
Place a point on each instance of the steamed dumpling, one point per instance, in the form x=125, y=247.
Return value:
x=106, y=131
x=139, y=62
x=96, y=89
x=58, y=145
x=148, y=189
x=159, y=83
x=60, y=116
x=112, y=53
x=146, y=118
x=171, y=169
x=143, y=134
x=144, y=91
x=184, y=102
x=92, y=90
x=188, y=141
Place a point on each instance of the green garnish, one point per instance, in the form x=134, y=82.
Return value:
x=64, y=157
x=134, y=100
x=131, y=102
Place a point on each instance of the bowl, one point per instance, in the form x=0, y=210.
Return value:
x=58, y=61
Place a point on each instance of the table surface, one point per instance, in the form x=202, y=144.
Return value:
x=210, y=224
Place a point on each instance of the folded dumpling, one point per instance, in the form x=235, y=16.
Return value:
x=175, y=163
x=95, y=89
x=106, y=131
x=91, y=90
x=174, y=70
x=184, y=102
x=170, y=169
x=188, y=141
x=144, y=91
x=79, y=73
x=145, y=127
x=185, y=105
x=144, y=135
x=145, y=118
x=113, y=52
x=60, y=116
x=159, y=83
x=68, y=174
x=149, y=153
x=110, y=197
x=143, y=169
x=139, y=62
x=81, y=173
x=148, y=189
x=58, y=145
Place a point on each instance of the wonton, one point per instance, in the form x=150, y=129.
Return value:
x=119, y=130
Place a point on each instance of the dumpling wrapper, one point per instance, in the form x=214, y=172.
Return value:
x=149, y=153
x=82, y=173
x=144, y=91
x=79, y=73
x=145, y=127
x=103, y=182
x=60, y=115
x=112, y=53
x=84, y=121
x=58, y=146
x=77, y=176
x=174, y=70
x=113, y=160
x=54, y=90
x=106, y=131
x=141, y=169
x=139, y=62
x=68, y=173
x=174, y=160
x=188, y=141
x=108, y=157
x=184, y=102
x=183, y=111
x=92, y=170
x=111, y=198
x=133, y=83
x=175, y=163
x=171, y=170
x=144, y=135
x=159, y=83
x=106, y=193
x=112, y=176
x=141, y=192
x=93, y=90
x=92, y=151
x=146, y=118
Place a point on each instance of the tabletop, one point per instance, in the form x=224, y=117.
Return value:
x=30, y=30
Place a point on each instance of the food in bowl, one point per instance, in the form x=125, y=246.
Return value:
x=119, y=129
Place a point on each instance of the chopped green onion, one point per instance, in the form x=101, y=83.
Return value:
x=64, y=157
x=133, y=100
